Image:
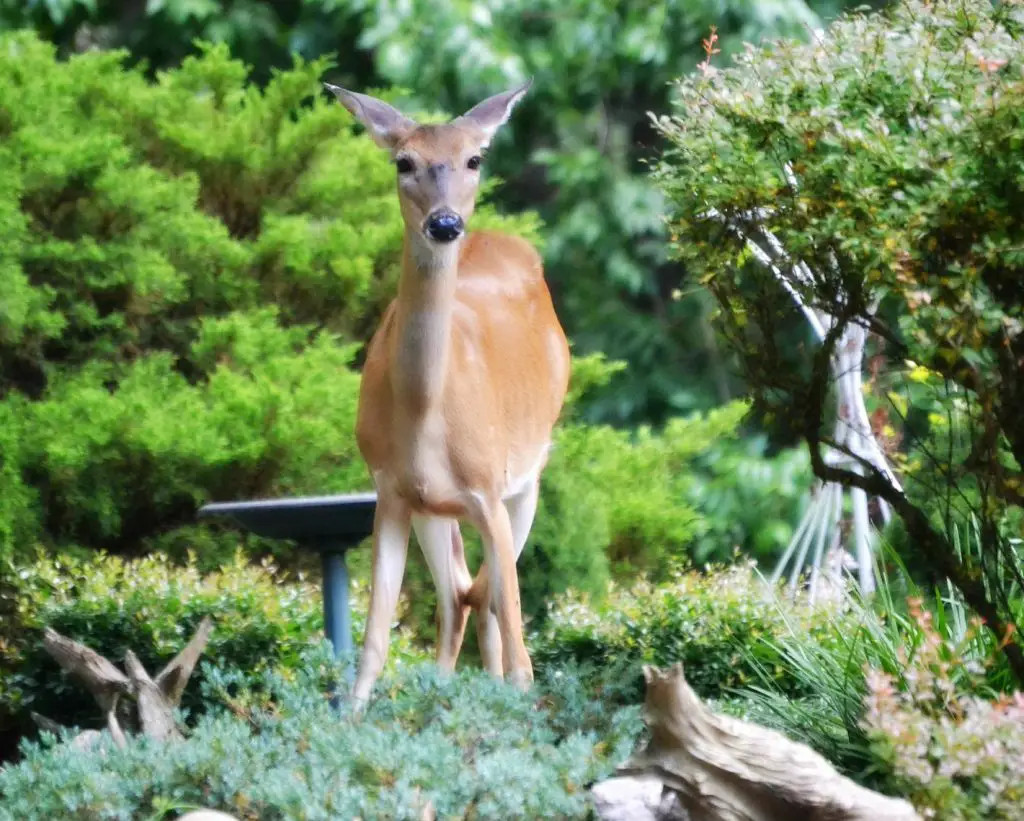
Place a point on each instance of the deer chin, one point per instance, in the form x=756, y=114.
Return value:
x=432, y=257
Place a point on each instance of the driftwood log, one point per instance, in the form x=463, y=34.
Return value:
x=130, y=698
x=717, y=768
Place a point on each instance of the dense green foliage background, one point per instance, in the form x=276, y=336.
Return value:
x=574, y=152
x=189, y=266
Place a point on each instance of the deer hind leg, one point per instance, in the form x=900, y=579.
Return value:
x=521, y=512
x=441, y=542
x=390, y=546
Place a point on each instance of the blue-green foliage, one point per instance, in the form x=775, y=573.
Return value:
x=472, y=746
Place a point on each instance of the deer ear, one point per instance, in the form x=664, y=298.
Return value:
x=385, y=124
x=494, y=112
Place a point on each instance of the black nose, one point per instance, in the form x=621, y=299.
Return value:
x=444, y=226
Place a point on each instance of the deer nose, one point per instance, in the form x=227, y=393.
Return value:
x=444, y=226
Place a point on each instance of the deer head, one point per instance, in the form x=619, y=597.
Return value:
x=438, y=166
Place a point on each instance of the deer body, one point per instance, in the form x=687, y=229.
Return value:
x=464, y=379
x=463, y=383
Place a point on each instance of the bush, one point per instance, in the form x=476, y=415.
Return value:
x=905, y=702
x=472, y=746
x=262, y=621
x=957, y=755
x=720, y=625
x=183, y=265
x=870, y=171
x=885, y=697
x=749, y=501
x=623, y=492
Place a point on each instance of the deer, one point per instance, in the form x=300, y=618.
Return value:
x=463, y=382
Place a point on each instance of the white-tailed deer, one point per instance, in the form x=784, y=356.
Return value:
x=463, y=383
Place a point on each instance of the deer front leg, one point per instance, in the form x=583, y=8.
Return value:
x=521, y=512
x=390, y=546
x=503, y=592
x=441, y=543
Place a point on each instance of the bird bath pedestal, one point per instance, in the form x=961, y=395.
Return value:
x=329, y=525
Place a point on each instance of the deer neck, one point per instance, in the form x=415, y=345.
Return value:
x=423, y=324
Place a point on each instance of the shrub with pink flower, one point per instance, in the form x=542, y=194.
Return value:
x=957, y=755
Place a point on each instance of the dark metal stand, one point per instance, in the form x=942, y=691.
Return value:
x=337, y=617
x=330, y=525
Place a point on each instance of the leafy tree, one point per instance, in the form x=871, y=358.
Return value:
x=162, y=33
x=879, y=166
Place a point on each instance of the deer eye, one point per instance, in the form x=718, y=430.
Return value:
x=474, y=162
x=404, y=165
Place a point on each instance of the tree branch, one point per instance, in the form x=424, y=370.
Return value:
x=724, y=769
x=155, y=714
x=174, y=677
x=102, y=678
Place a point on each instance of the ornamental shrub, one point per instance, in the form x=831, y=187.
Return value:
x=863, y=694
x=472, y=746
x=875, y=173
x=957, y=754
x=187, y=267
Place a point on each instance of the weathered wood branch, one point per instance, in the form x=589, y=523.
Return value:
x=47, y=725
x=114, y=727
x=102, y=678
x=147, y=705
x=156, y=715
x=173, y=678
x=723, y=769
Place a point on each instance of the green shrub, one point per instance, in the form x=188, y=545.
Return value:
x=261, y=622
x=624, y=491
x=903, y=702
x=867, y=174
x=182, y=266
x=749, y=501
x=720, y=625
x=472, y=746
